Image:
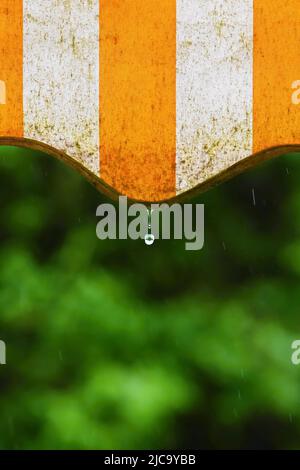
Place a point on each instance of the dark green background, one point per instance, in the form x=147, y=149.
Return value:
x=115, y=345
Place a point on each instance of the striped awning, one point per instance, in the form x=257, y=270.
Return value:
x=154, y=97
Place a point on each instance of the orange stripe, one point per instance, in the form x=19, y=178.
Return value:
x=138, y=97
x=11, y=63
x=276, y=120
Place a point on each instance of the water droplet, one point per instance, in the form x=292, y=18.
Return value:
x=149, y=239
x=253, y=197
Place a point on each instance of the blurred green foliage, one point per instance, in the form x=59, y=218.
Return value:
x=115, y=345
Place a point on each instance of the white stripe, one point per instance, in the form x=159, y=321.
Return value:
x=214, y=87
x=61, y=76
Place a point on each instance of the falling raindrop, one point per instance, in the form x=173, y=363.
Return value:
x=149, y=237
x=253, y=197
